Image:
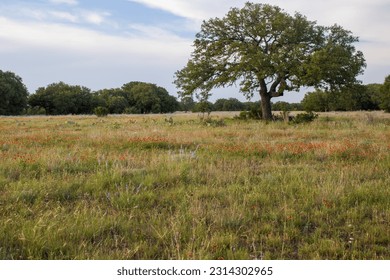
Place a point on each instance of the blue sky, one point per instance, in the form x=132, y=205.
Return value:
x=104, y=44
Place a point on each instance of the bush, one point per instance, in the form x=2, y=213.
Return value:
x=101, y=111
x=214, y=123
x=36, y=111
x=253, y=114
x=304, y=118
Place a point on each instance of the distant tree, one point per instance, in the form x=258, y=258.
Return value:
x=219, y=104
x=35, y=111
x=231, y=104
x=117, y=104
x=101, y=111
x=137, y=98
x=62, y=99
x=98, y=100
x=385, y=95
x=187, y=103
x=203, y=106
x=317, y=101
x=102, y=96
x=145, y=98
x=168, y=103
x=374, y=91
x=353, y=98
x=285, y=106
x=269, y=52
x=250, y=105
x=296, y=107
x=281, y=106
x=13, y=94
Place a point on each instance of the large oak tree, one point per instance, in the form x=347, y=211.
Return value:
x=269, y=52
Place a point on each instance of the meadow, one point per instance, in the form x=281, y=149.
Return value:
x=174, y=187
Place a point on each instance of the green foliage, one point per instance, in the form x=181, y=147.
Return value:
x=285, y=106
x=374, y=91
x=117, y=104
x=254, y=113
x=384, y=98
x=270, y=52
x=101, y=111
x=187, y=104
x=213, y=122
x=353, y=98
x=63, y=99
x=317, y=101
x=304, y=118
x=13, y=94
x=36, y=111
x=139, y=98
x=203, y=107
x=231, y=104
x=134, y=98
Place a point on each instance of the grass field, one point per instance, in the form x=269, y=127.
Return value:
x=143, y=187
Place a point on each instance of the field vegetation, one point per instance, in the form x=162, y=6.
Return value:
x=176, y=187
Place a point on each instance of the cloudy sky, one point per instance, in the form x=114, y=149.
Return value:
x=106, y=43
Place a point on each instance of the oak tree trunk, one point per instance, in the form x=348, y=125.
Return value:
x=266, y=106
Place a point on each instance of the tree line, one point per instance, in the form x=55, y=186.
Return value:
x=354, y=98
x=144, y=98
x=63, y=99
x=131, y=98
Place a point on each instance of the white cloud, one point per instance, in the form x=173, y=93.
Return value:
x=62, y=37
x=95, y=17
x=87, y=57
x=63, y=16
x=154, y=32
x=67, y=2
x=56, y=14
x=353, y=14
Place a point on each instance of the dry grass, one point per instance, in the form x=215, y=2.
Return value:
x=142, y=187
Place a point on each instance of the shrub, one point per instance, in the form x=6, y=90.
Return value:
x=244, y=115
x=36, y=111
x=212, y=122
x=101, y=111
x=253, y=114
x=304, y=118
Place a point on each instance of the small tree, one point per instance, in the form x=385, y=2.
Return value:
x=269, y=52
x=101, y=111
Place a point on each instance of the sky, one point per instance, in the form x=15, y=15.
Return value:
x=107, y=43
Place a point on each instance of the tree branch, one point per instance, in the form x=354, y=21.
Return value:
x=281, y=82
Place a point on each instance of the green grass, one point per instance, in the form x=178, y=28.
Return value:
x=138, y=187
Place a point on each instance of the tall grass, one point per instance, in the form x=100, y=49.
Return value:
x=127, y=187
